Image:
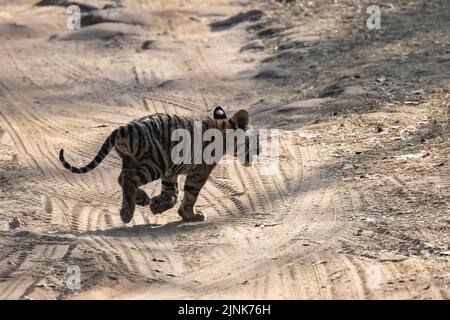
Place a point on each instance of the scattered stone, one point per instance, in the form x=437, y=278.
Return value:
x=102, y=32
x=251, y=15
x=147, y=44
x=354, y=90
x=112, y=276
x=16, y=223
x=65, y=3
x=445, y=253
x=257, y=26
x=418, y=92
x=113, y=6
x=110, y=15
x=253, y=45
x=268, y=32
x=428, y=245
x=393, y=259
x=381, y=79
x=348, y=166
x=410, y=156
x=270, y=72
x=331, y=91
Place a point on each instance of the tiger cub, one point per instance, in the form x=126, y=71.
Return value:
x=145, y=146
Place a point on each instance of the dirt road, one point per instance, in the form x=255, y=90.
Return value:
x=300, y=233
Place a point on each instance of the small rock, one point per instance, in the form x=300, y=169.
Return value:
x=112, y=276
x=428, y=245
x=381, y=79
x=270, y=72
x=16, y=223
x=253, y=45
x=445, y=253
x=147, y=44
x=252, y=15
x=418, y=92
x=268, y=32
x=348, y=166
x=331, y=91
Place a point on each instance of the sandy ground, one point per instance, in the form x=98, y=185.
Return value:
x=358, y=209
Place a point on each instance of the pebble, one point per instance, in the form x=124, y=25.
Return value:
x=16, y=223
x=253, y=45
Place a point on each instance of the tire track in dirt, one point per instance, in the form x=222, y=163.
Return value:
x=50, y=125
x=90, y=79
x=41, y=149
x=23, y=278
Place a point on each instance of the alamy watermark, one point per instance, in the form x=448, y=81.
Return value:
x=73, y=281
x=74, y=21
x=214, y=146
x=374, y=20
x=373, y=274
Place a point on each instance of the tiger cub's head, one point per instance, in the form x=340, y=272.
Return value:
x=241, y=139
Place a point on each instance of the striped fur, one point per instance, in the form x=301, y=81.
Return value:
x=145, y=148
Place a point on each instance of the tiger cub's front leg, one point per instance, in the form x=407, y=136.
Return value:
x=192, y=186
x=168, y=197
x=142, y=198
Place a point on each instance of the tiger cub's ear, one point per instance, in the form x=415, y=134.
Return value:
x=241, y=119
x=219, y=113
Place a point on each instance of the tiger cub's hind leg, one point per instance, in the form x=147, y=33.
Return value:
x=168, y=197
x=129, y=183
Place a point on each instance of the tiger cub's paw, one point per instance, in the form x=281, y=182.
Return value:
x=162, y=203
x=142, y=199
x=191, y=217
x=126, y=214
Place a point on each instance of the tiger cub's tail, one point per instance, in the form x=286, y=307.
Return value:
x=105, y=149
